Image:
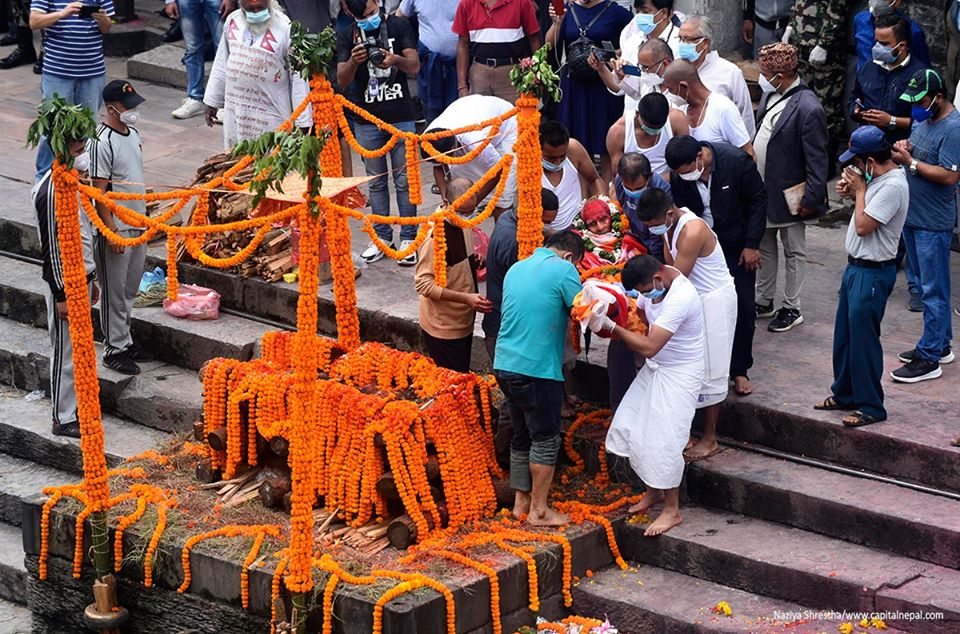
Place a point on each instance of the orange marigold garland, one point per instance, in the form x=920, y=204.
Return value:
x=529, y=170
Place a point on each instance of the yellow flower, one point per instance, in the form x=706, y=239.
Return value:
x=878, y=624
x=845, y=628
x=864, y=622
x=723, y=608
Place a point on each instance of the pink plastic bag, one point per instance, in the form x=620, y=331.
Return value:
x=480, y=243
x=194, y=302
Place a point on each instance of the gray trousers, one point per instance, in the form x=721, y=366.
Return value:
x=62, y=388
x=794, y=239
x=119, y=275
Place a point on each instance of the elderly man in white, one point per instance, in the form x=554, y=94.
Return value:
x=249, y=80
x=716, y=73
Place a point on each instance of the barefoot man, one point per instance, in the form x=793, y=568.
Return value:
x=691, y=247
x=652, y=424
x=538, y=293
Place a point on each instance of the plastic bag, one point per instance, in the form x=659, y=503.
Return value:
x=156, y=276
x=481, y=241
x=153, y=288
x=194, y=302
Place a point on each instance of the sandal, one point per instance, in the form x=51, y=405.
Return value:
x=831, y=404
x=859, y=419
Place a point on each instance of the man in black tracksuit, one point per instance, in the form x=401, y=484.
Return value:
x=721, y=184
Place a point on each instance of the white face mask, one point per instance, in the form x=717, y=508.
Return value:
x=692, y=176
x=766, y=85
x=676, y=101
x=82, y=163
x=650, y=80
x=129, y=117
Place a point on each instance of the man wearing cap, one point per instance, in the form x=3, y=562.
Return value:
x=791, y=147
x=875, y=99
x=879, y=190
x=116, y=164
x=931, y=156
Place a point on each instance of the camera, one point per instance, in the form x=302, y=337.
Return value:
x=371, y=44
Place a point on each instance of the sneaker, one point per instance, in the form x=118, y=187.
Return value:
x=373, y=253
x=946, y=356
x=410, y=260
x=917, y=370
x=914, y=304
x=765, y=311
x=122, y=363
x=189, y=107
x=70, y=430
x=786, y=319
x=138, y=354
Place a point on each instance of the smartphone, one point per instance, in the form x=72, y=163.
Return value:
x=87, y=10
x=605, y=54
x=859, y=104
x=558, y=7
x=630, y=69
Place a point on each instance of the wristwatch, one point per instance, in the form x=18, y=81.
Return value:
x=913, y=166
x=893, y=123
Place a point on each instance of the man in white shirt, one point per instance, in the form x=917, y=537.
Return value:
x=652, y=424
x=568, y=171
x=249, y=79
x=712, y=117
x=717, y=74
x=468, y=111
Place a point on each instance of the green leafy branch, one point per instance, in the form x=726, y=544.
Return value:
x=62, y=123
x=277, y=154
x=535, y=76
x=310, y=52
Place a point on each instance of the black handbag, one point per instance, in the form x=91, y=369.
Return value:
x=579, y=51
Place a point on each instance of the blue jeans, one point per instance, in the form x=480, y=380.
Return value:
x=372, y=137
x=193, y=14
x=83, y=92
x=928, y=254
x=857, y=351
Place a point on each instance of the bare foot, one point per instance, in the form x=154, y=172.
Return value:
x=741, y=385
x=666, y=521
x=548, y=517
x=690, y=443
x=703, y=449
x=521, y=504
x=955, y=442
x=648, y=500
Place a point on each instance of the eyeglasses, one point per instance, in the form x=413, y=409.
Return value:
x=651, y=67
x=692, y=40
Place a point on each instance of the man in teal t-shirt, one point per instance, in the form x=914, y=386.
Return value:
x=538, y=293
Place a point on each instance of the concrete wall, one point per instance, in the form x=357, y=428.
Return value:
x=726, y=15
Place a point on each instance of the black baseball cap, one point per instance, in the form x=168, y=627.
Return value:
x=925, y=83
x=122, y=91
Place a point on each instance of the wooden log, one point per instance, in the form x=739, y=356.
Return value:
x=280, y=446
x=433, y=468
x=272, y=491
x=237, y=500
x=504, y=494
x=387, y=487
x=217, y=439
x=206, y=473
x=199, y=433
x=263, y=446
x=402, y=532
x=288, y=501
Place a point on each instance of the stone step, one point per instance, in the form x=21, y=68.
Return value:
x=162, y=396
x=25, y=433
x=650, y=600
x=162, y=65
x=13, y=573
x=782, y=562
x=177, y=341
x=22, y=479
x=885, y=516
x=15, y=619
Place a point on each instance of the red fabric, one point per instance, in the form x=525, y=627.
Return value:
x=594, y=210
x=472, y=15
x=632, y=245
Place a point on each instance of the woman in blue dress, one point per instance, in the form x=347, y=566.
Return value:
x=587, y=108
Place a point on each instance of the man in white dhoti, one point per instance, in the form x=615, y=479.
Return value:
x=249, y=80
x=652, y=424
x=692, y=248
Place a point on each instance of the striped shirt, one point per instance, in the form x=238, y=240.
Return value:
x=73, y=47
x=52, y=267
x=500, y=32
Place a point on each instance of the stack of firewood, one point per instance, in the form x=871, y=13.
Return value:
x=273, y=257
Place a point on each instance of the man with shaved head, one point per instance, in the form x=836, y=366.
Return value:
x=712, y=117
x=447, y=313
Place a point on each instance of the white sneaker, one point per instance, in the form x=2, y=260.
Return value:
x=218, y=118
x=372, y=253
x=189, y=108
x=410, y=260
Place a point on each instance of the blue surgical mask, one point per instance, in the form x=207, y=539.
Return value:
x=550, y=166
x=660, y=230
x=257, y=17
x=921, y=114
x=634, y=194
x=884, y=54
x=645, y=23
x=688, y=51
x=369, y=24
x=655, y=294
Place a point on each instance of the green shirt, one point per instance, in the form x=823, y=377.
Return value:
x=537, y=296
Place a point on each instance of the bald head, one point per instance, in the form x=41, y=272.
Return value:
x=680, y=70
x=456, y=188
x=657, y=50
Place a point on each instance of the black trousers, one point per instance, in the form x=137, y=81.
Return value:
x=453, y=354
x=746, y=283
